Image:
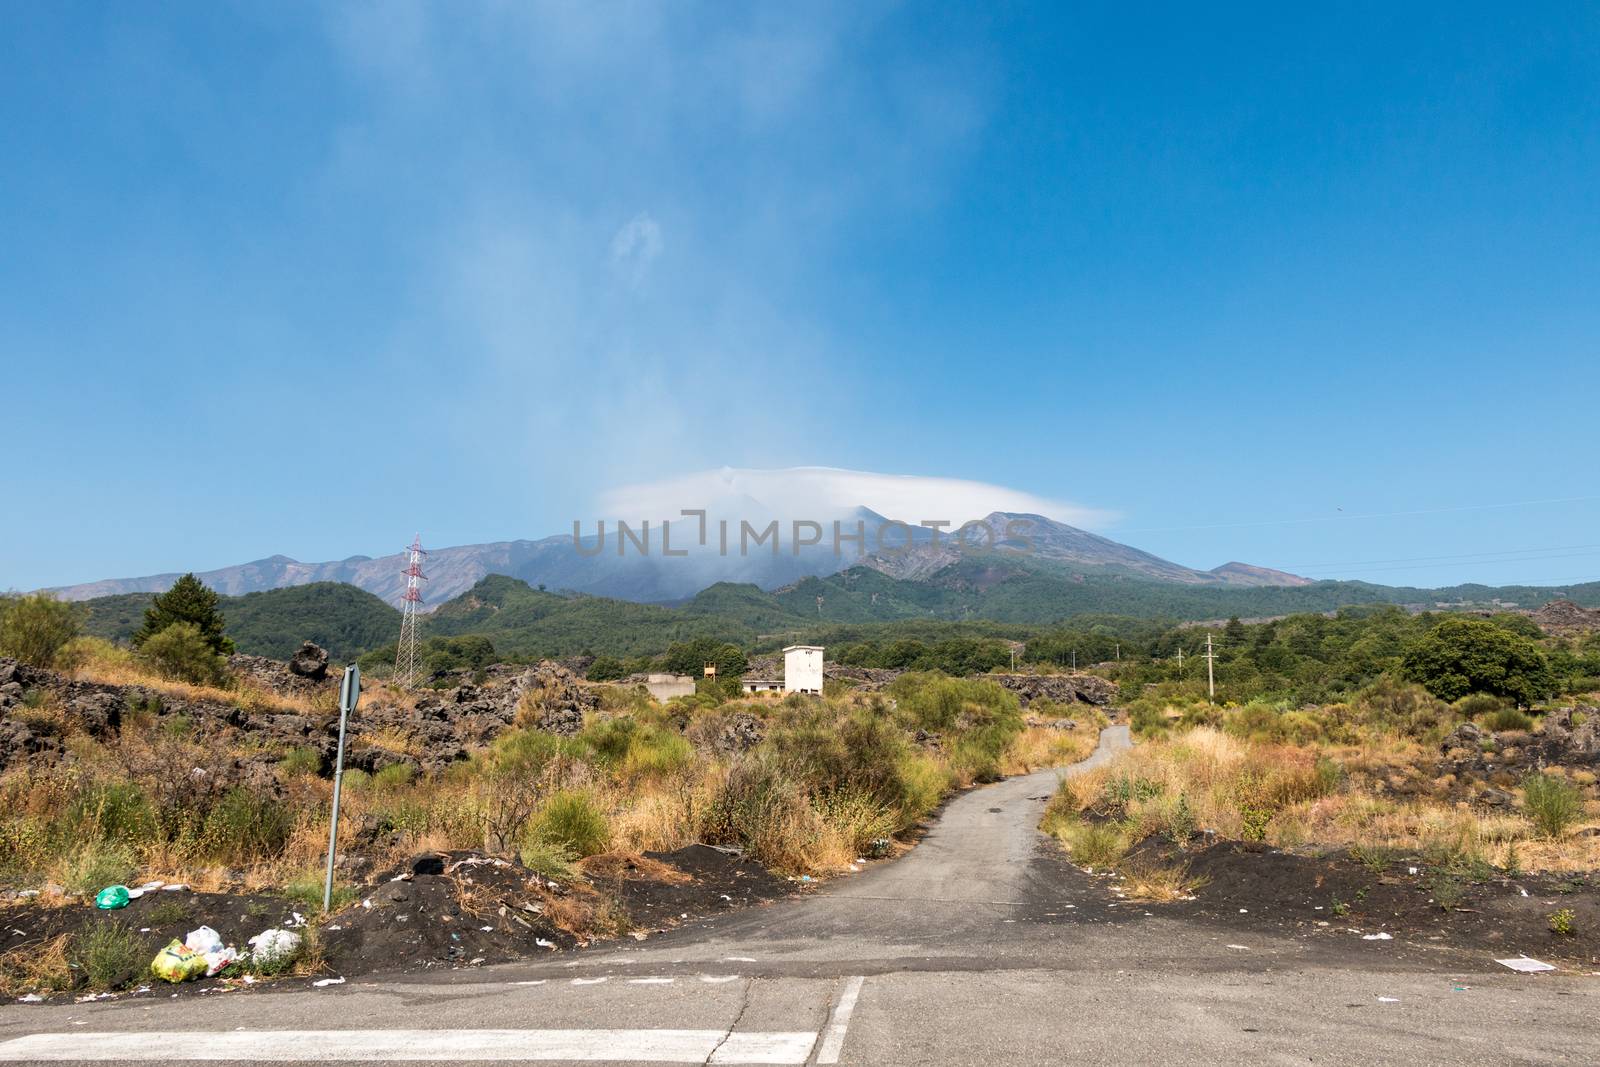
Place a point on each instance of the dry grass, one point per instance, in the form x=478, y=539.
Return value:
x=1326, y=796
x=633, y=867
x=129, y=671
x=37, y=968
x=1038, y=747
x=1158, y=883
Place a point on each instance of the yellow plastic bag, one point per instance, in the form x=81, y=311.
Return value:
x=178, y=962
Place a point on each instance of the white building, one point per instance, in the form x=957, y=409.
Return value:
x=802, y=669
x=762, y=685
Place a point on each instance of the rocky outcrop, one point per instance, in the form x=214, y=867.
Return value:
x=1061, y=688
x=1572, y=735
x=275, y=676
x=550, y=697
x=38, y=708
x=310, y=662
x=1563, y=617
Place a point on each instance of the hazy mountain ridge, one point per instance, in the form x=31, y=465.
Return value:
x=906, y=551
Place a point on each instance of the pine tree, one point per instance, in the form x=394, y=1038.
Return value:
x=187, y=601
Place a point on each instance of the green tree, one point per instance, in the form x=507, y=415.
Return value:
x=607, y=669
x=182, y=652
x=35, y=628
x=1462, y=656
x=188, y=601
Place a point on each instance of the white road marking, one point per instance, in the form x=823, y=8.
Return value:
x=834, y=1043
x=718, y=979
x=589, y=981
x=450, y=1046
x=651, y=981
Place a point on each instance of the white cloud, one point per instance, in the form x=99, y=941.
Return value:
x=821, y=493
x=635, y=247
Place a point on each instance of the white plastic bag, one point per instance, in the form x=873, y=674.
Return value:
x=270, y=946
x=203, y=940
x=217, y=960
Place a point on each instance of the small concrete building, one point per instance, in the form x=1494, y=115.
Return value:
x=762, y=685
x=666, y=686
x=802, y=669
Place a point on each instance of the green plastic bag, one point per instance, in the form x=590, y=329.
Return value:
x=112, y=897
x=178, y=962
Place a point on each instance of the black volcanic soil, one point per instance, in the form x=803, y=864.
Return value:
x=1248, y=886
x=437, y=911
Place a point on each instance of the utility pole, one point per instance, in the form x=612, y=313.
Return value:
x=1074, y=659
x=1180, y=663
x=1211, y=677
x=1119, y=651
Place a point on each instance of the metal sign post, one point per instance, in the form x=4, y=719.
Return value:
x=349, y=693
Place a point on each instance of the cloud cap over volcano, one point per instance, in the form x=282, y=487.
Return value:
x=822, y=493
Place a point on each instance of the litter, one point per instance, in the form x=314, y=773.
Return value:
x=156, y=884
x=112, y=897
x=274, y=946
x=1521, y=890
x=542, y=943
x=31, y=998
x=1244, y=911
x=203, y=940
x=1412, y=870
x=135, y=894
x=487, y=929
x=220, y=959
x=178, y=962
x=1526, y=965
x=1377, y=937
x=1241, y=948
x=175, y=887
x=321, y=982
x=1388, y=1000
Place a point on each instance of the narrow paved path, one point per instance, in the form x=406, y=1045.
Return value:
x=980, y=947
x=983, y=845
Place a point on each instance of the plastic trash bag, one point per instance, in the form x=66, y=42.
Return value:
x=217, y=959
x=111, y=897
x=274, y=945
x=178, y=962
x=203, y=940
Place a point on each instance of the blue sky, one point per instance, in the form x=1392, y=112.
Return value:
x=310, y=278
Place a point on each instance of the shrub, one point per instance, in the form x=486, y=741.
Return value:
x=571, y=822
x=303, y=760
x=246, y=825
x=1553, y=804
x=547, y=861
x=393, y=777
x=182, y=653
x=111, y=811
x=36, y=628
x=111, y=954
x=1095, y=844
x=1508, y=719
x=1477, y=704
x=658, y=754
x=1563, y=922
x=99, y=864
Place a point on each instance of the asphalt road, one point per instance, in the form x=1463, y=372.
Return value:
x=979, y=947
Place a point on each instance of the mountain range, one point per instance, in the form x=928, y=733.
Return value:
x=645, y=565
